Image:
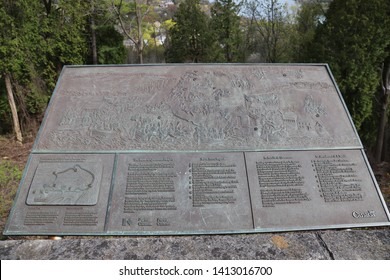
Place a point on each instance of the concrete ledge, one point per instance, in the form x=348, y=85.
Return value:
x=321, y=245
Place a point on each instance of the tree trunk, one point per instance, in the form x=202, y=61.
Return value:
x=385, y=83
x=140, y=34
x=386, y=144
x=14, y=112
x=93, y=34
x=137, y=40
x=155, y=44
x=381, y=129
x=140, y=55
x=47, y=4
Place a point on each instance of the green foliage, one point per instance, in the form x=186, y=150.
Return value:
x=64, y=39
x=134, y=19
x=100, y=27
x=35, y=42
x=19, y=28
x=154, y=54
x=309, y=16
x=5, y=112
x=190, y=37
x=19, y=39
x=270, y=25
x=10, y=175
x=110, y=45
x=36, y=101
x=225, y=24
x=353, y=40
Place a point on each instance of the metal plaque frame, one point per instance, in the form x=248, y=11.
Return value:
x=196, y=149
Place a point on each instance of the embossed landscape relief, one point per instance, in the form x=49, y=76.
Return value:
x=193, y=108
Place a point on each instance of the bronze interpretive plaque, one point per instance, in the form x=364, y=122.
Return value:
x=195, y=149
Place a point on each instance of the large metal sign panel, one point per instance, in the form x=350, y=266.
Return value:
x=193, y=149
x=209, y=107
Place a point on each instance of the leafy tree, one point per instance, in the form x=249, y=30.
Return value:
x=250, y=39
x=19, y=30
x=309, y=15
x=190, y=37
x=382, y=144
x=110, y=48
x=37, y=39
x=63, y=30
x=270, y=19
x=94, y=12
x=105, y=42
x=225, y=23
x=131, y=16
x=353, y=41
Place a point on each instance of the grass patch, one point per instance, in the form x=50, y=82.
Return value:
x=10, y=175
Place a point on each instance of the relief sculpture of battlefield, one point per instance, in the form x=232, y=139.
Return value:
x=213, y=107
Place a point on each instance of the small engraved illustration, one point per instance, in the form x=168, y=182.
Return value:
x=72, y=185
x=314, y=108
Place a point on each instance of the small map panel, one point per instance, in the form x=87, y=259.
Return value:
x=63, y=193
x=303, y=189
x=64, y=183
x=191, y=192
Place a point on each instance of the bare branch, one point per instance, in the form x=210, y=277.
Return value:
x=386, y=79
x=47, y=4
x=118, y=13
x=383, y=87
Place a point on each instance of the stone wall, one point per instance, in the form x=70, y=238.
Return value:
x=321, y=245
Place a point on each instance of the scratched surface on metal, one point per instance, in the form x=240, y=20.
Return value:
x=195, y=149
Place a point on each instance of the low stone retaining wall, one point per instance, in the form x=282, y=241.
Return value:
x=329, y=244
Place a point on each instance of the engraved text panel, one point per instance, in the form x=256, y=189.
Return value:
x=302, y=189
x=180, y=192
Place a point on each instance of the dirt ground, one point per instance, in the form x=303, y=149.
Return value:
x=18, y=154
x=382, y=175
x=14, y=152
